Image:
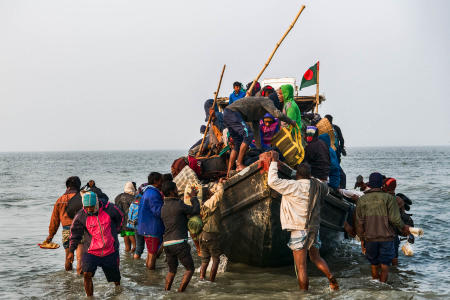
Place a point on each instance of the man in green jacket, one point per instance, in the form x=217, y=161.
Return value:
x=210, y=237
x=290, y=107
x=377, y=214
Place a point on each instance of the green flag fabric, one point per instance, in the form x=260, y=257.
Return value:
x=310, y=76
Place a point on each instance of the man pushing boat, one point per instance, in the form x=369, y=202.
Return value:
x=300, y=214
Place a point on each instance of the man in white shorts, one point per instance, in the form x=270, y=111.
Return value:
x=300, y=214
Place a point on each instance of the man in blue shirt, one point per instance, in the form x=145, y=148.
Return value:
x=150, y=224
x=237, y=94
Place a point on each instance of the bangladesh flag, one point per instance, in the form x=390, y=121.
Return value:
x=310, y=76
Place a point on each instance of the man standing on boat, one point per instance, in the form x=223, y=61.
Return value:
x=237, y=115
x=300, y=214
x=237, y=93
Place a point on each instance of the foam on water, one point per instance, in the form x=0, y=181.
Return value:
x=30, y=183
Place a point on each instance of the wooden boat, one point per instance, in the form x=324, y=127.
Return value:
x=252, y=231
x=250, y=210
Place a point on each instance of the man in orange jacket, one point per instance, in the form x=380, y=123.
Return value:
x=59, y=216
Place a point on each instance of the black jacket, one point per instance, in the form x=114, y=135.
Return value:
x=123, y=202
x=75, y=203
x=174, y=214
x=318, y=157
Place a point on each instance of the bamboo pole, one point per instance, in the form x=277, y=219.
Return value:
x=210, y=117
x=317, y=88
x=275, y=50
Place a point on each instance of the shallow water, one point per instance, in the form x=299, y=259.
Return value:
x=30, y=183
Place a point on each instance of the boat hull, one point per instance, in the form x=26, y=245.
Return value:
x=252, y=231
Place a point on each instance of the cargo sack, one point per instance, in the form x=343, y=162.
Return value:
x=178, y=165
x=291, y=147
x=324, y=126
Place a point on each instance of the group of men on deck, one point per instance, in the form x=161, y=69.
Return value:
x=153, y=215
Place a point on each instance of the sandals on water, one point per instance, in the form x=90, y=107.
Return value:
x=50, y=245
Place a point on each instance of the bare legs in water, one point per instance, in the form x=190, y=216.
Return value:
x=314, y=255
x=89, y=285
x=130, y=243
x=214, y=268
x=79, y=253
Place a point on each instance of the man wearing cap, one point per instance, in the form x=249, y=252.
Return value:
x=377, y=217
x=100, y=225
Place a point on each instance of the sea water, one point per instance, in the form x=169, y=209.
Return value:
x=30, y=183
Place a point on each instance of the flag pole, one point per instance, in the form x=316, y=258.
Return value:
x=210, y=116
x=275, y=50
x=317, y=88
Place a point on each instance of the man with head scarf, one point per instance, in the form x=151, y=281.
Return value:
x=256, y=91
x=123, y=202
x=99, y=225
x=290, y=108
x=377, y=216
x=268, y=126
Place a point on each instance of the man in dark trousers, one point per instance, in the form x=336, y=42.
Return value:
x=377, y=216
x=174, y=214
x=237, y=115
x=98, y=225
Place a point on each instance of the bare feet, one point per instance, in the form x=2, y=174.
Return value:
x=240, y=167
x=334, y=286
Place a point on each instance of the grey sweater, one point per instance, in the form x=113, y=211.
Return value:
x=253, y=109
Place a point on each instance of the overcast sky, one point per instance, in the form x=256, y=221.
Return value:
x=126, y=75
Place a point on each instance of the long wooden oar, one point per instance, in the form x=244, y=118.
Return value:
x=210, y=116
x=275, y=50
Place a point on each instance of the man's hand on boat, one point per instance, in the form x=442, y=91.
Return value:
x=193, y=193
x=274, y=156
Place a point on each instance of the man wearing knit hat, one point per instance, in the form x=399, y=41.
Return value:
x=99, y=225
x=377, y=217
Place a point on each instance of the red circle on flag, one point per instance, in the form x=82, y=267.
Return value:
x=308, y=74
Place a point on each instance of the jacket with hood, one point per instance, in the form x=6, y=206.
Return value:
x=149, y=214
x=290, y=107
x=335, y=173
x=317, y=156
x=98, y=230
x=267, y=132
x=377, y=216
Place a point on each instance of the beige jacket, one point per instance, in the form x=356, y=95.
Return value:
x=294, y=201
